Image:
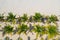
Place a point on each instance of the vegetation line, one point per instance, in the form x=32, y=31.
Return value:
x=22, y=23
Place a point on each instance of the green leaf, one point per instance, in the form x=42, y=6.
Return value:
x=52, y=31
x=37, y=17
x=22, y=28
x=11, y=17
x=53, y=18
x=8, y=29
x=24, y=17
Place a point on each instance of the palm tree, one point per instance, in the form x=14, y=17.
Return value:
x=1, y=17
x=22, y=29
x=53, y=18
x=7, y=29
x=11, y=17
x=39, y=30
x=37, y=17
x=24, y=17
x=52, y=31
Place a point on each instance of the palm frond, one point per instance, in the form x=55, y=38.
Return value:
x=53, y=18
x=52, y=31
x=24, y=17
x=10, y=17
x=22, y=28
x=37, y=17
x=39, y=30
x=8, y=29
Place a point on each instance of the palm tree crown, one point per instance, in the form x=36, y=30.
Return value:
x=22, y=28
x=8, y=29
x=11, y=17
x=37, y=17
x=24, y=17
x=52, y=31
x=53, y=18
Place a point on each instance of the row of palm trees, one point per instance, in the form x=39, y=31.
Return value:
x=25, y=18
x=50, y=30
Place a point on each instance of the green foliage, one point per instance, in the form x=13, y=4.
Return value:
x=11, y=17
x=24, y=17
x=40, y=30
x=37, y=17
x=22, y=28
x=8, y=29
x=53, y=18
x=52, y=31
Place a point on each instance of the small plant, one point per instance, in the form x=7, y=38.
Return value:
x=52, y=31
x=11, y=17
x=24, y=17
x=37, y=17
x=8, y=29
x=40, y=30
x=22, y=28
x=47, y=28
x=53, y=18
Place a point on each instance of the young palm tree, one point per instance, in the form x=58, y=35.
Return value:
x=22, y=29
x=37, y=17
x=7, y=29
x=52, y=31
x=24, y=17
x=11, y=17
x=40, y=30
x=53, y=18
x=1, y=17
